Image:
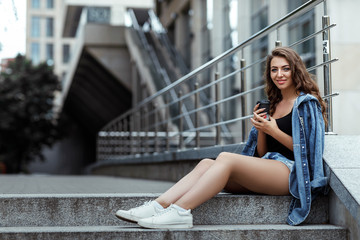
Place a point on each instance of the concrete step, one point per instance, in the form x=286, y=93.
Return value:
x=208, y=232
x=31, y=210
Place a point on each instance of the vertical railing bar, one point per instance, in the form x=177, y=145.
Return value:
x=327, y=72
x=167, y=124
x=131, y=130
x=242, y=99
x=156, y=142
x=138, y=137
x=197, y=137
x=217, y=110
x=181, y=140
x=146, y=129
x=126, y=139
x=278, y=41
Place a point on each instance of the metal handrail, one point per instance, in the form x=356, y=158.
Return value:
x=152, y=135
x=290, y=16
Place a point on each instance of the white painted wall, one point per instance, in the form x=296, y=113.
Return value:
x=346, y=72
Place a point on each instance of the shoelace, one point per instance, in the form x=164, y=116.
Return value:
x=143, y=205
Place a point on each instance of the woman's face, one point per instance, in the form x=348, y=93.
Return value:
x=280, y=73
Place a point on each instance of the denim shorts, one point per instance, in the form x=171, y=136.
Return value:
x=279, y=157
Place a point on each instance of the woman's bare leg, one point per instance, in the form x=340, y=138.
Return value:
x=255, y=174
x=184, y=184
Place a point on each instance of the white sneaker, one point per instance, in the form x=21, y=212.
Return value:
x=171, y=217
x=146, y=210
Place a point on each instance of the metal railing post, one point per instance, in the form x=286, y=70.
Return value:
x=167, y=124
x=156, y=120
x=278, y=43
x=138, y=137
x=327, y=72
x=131, y=130
x=197, y=102
x=181, y=140
x=126, y=137
x=217, y=110
x=242, y=99
x=146, y=128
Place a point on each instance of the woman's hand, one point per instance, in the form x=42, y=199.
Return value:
x=260, y=122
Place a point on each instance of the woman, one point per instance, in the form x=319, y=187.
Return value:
x=289, y=146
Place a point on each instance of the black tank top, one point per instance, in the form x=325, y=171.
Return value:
x=273, y=145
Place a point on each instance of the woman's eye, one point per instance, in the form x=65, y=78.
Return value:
x=286, y=69
x=274, y=70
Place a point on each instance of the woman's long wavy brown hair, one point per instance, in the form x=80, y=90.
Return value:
x=301, y=77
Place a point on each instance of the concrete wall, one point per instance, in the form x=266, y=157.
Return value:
x=346, y=73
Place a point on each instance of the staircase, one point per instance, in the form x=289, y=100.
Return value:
x=78, y=212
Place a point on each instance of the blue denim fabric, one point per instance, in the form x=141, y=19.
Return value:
x=279, y=157
x=307, y=178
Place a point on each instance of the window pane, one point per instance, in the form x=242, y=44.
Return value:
x=50, y=3
x=66, y=53
x=35, y=26
x=98, y=14
x=35, y=3
x=49, y=27
x=35, y=53
x=50, y=54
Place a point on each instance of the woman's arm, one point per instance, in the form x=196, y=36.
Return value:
x=261, y=144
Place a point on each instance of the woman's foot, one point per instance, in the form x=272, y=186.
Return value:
x=148, y=209
x=172, y=217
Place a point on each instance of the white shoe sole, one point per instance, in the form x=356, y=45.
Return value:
x=126, y=217
x=167, y=226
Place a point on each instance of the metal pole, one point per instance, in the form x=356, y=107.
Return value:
x=146, y=129
x=197, y=138
x=278, y=42
x=217, y=110
x=181, y=140
x=131, y=127
x=327, y=72
x=156, y=120
x=138, y=137
x=126, y=137
x=167, y=124
x=242, y=99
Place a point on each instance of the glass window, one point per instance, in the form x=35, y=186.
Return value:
x=35, y=53
x=35, y=3
x=66, y=53
x=49, y=27
x=50, y=4
x=98, y=14
x=50, y=54
x=35, y=26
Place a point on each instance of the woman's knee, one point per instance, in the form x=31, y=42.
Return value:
x=231, y=160
x=205, y=163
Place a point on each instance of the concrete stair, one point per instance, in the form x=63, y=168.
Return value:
x=91, y=216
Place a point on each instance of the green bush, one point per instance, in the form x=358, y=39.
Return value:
x=27, y=121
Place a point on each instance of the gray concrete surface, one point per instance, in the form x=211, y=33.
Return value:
x=276, y=231
x=49, y=184
x=342, y=157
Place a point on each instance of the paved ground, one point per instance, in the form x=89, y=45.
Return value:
x=50, y=184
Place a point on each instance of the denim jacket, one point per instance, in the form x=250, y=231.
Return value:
x=307, y=179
